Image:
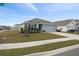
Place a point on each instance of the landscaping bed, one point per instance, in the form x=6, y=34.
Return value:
x=35, y=49
x=16, y=37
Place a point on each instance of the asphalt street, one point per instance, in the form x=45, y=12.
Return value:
x=74, y=52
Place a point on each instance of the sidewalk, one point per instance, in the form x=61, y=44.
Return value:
x=72, y=36
x=31, y=44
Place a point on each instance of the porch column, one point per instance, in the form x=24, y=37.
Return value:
x=35, y=28
x=29, y=28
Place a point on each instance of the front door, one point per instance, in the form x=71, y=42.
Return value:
x=40, y=27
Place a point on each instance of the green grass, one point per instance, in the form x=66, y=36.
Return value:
x=35, y=49
x=15, y=37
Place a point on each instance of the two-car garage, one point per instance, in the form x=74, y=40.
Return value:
x=49, y=28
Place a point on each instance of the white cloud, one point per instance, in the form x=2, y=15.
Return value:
x=32, y=6
x=24, y=6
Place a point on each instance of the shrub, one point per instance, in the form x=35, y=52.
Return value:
x=71, y=30
x=58, y=30
x=22, y=31
x=43, y=31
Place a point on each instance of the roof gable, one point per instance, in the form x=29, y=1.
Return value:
x=38, y=21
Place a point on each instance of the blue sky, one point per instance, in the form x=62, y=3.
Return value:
x=12, y=13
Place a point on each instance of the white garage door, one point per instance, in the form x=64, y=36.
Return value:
x=49, y=28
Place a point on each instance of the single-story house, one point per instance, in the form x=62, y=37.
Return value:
x=37, y=25
x=67, y=25
x=4, y=27
x=16, y=27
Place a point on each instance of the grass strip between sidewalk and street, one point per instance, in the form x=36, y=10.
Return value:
x=35, y=49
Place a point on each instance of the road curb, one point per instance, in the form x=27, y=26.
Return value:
x=54, y=52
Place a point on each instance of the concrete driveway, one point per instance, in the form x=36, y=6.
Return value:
x=68, y=35
x=72, y=52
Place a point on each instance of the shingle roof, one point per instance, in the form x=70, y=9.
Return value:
x=77, y=21
x=65, y=22
x=5, y=27
x=39, y=21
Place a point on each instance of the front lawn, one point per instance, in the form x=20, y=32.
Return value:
x=15, y=37
x=35, y=49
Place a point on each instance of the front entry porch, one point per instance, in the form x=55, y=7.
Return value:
x=34, y=28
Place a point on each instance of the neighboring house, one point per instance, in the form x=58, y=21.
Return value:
x=4, y=27
x=66, y=25
x=37, y=25
x=16, y=27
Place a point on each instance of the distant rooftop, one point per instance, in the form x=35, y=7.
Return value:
x=65, y=22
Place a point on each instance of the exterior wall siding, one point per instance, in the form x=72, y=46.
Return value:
x=46, y=28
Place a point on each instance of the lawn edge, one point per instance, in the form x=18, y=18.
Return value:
x=54, y=52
